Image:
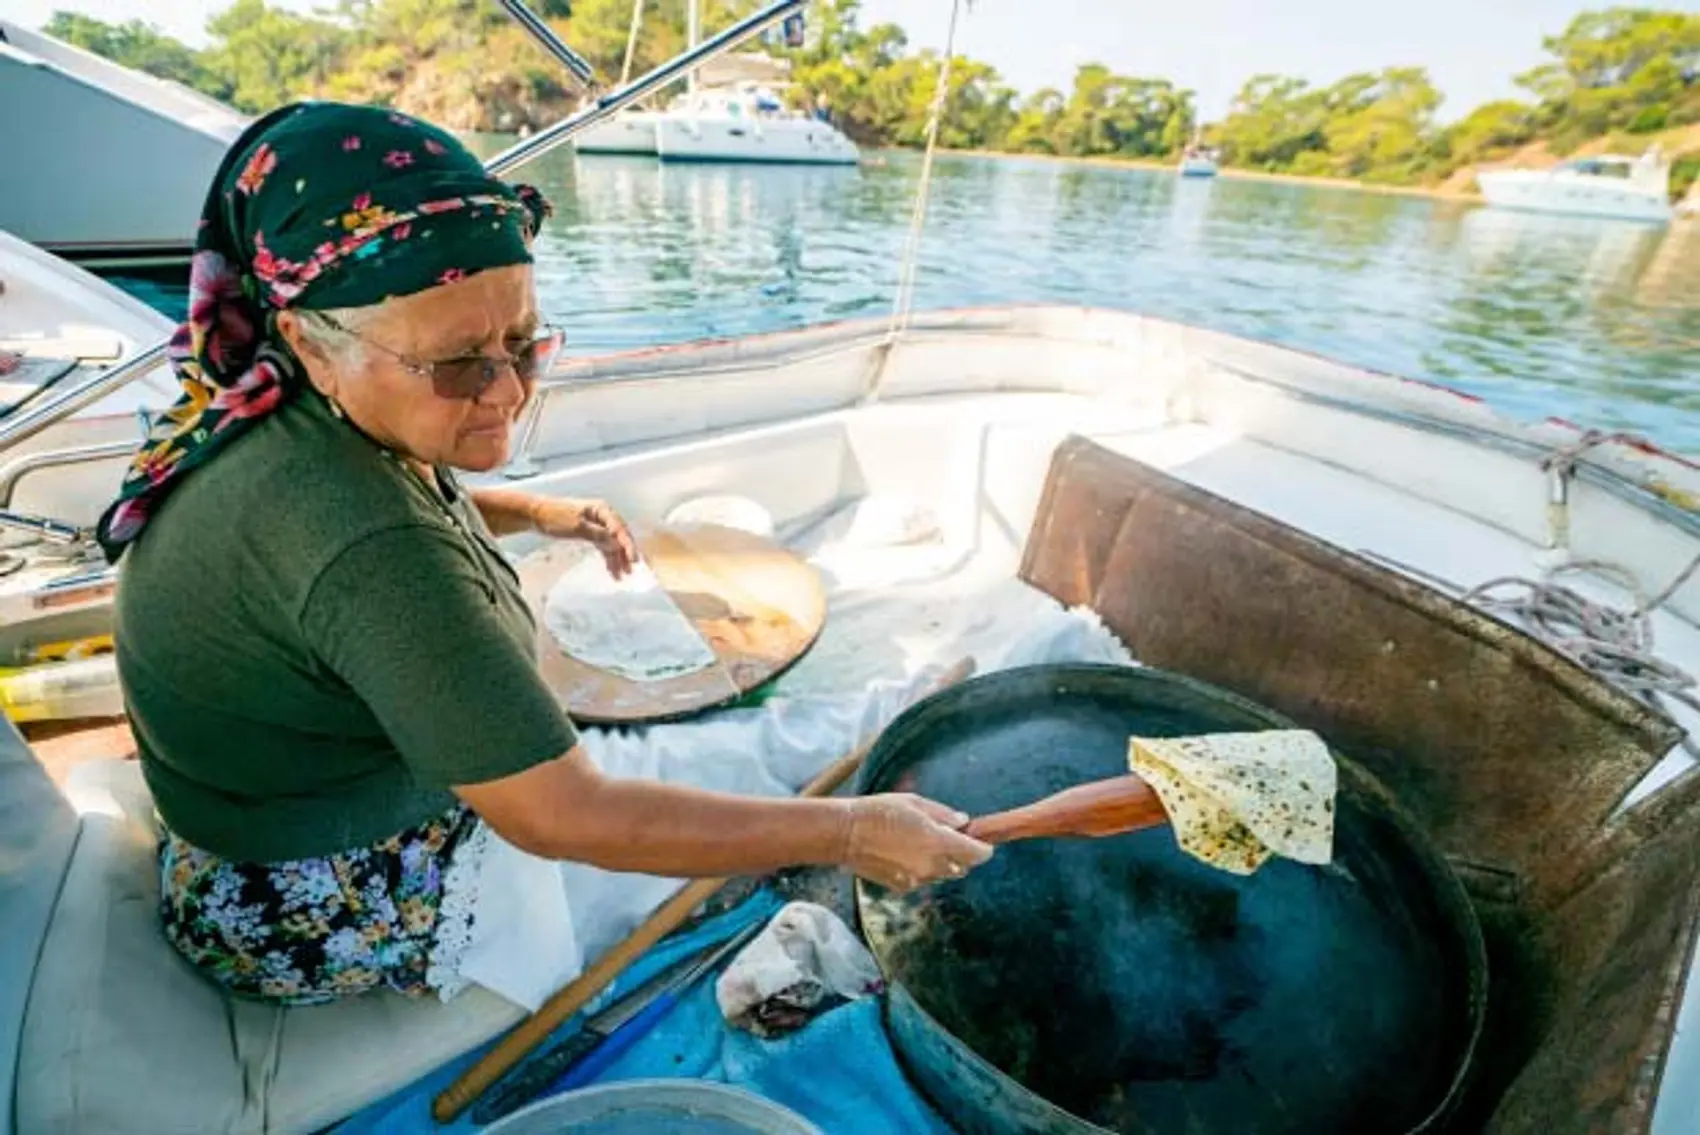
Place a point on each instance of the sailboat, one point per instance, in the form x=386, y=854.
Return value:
x=732, y=113
x=631, y=131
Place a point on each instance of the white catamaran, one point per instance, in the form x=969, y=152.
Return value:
x=730, y=113
x=1342, y=545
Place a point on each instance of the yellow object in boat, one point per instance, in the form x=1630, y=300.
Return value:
x=57, y=691
x=68, y=651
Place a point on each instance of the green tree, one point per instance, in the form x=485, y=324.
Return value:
x=138, y=45
x=267, y=56
x=1487, y=132
x=1635, y=69
x=1611, y=74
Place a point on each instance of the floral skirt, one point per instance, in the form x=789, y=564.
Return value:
x=308, y=931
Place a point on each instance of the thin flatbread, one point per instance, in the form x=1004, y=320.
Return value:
x=630, y=627
x=1234, y=799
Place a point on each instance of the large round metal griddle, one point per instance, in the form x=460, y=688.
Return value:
x=757, y=605
x=1121, y=985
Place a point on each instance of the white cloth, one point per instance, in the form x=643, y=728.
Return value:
x=538, y=923
x=803, y=958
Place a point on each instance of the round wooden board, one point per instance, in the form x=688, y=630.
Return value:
x=757, y=605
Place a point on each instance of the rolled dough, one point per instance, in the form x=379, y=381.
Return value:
x=630, y=627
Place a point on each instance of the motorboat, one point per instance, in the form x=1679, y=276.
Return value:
x=1234, y=477
x=118, y=160
x=1608, y=185
x=1198, y=161
x=1382, y=560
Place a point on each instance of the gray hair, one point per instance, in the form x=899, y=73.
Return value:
x=335, y=331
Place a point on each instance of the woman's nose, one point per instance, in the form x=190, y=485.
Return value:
x=506, y=391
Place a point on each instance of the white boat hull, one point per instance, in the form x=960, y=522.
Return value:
x=1535, y=191
x=631, y=133
x=1197, y=167
x=800, y=141
x=109, y=166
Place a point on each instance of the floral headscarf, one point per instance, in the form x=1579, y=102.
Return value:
x=317, y=205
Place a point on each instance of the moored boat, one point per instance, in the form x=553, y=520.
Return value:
x=1198, y=161
x=1609, y=185
x=110, y=164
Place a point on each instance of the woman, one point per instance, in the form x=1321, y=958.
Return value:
x=328, y=665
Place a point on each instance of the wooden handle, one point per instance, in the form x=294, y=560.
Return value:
x=666, y=918
x=1104, y=807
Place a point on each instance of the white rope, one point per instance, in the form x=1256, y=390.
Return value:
x=901, y=306
x=1612, y=642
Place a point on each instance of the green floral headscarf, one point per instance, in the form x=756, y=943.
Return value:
x=317, y=205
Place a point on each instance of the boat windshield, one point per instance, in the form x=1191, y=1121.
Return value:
x=1597, y=167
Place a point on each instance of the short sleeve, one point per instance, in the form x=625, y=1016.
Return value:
x=407, y=618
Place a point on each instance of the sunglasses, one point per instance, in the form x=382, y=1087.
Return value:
x=467, y=377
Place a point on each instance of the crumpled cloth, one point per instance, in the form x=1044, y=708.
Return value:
x=1235, y=799
x=804, y=962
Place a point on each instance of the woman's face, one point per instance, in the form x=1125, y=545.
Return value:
x=491, y=313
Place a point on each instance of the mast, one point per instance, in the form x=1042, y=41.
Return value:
x=631, y=42
x=692, y=31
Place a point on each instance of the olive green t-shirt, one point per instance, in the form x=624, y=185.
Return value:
x=315, y=644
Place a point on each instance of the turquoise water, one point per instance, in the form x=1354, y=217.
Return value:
x=1593, y=320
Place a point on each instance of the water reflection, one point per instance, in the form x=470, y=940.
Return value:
x=1591, y=319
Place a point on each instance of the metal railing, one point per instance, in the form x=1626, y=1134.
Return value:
x=14, y=471
x=552, y=43
x=62, y=404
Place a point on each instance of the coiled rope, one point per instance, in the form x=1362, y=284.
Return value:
x=1612, y=642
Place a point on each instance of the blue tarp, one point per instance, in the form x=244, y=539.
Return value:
x=839, y=1072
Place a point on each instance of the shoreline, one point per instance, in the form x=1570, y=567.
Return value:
x=1435, y=192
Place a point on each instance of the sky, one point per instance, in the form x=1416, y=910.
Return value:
x=1472, y=48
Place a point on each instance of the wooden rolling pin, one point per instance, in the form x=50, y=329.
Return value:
x=1103, y=807
x=668, y=917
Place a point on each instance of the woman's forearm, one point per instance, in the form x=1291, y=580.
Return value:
x=566, y=809
x=663, y=829
x=506, y=512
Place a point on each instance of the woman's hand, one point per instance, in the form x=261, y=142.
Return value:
x=591, y=520
x=902, y=842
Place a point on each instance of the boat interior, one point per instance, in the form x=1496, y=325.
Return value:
x=1375, y=559
x=1297, y=531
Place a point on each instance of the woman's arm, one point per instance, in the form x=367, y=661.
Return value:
x=566, y=809
x=509, y=511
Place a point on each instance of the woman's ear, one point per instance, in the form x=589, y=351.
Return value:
x=295, y=337
x=304, y=345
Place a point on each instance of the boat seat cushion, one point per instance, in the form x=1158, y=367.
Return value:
x=122, y=1034
x=38, y=832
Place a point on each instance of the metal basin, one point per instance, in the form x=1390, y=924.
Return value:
x=1119, y=985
